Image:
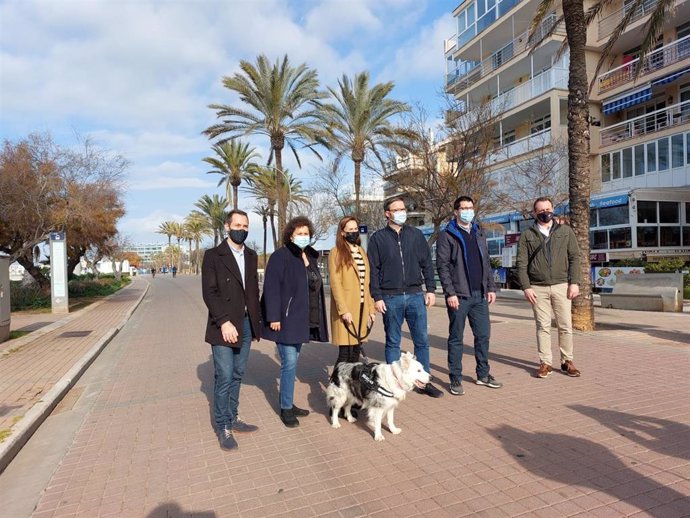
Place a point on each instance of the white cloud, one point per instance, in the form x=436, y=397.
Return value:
x=170, y=175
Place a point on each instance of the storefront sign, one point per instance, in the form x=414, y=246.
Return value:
x=605, y=277
x=598, y=257
x=512, y=239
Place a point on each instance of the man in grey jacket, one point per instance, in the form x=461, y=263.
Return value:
x=462, y=260
x=548, y=265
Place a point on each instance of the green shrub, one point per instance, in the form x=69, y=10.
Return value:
x=631, y=263
x=96, y=287
x=666, y=265
x=27, y=296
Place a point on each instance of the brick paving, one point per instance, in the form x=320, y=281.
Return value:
x=615, y=442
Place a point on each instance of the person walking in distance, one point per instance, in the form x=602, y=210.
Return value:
x=462, y=260
x=548, y=266
x=230, y=288
x=402, y=284
x=294, y=307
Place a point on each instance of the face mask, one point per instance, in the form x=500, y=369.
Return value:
x=466, y=215
x=400, y=217
x=238, y=236
x=545, y=217
x=352, y=237
x=301, y=241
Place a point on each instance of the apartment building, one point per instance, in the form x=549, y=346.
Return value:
x=147, y=250
x=640, y=122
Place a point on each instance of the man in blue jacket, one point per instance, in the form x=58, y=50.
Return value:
x=401, y=264
x=462, y=259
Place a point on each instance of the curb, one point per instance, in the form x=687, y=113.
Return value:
x=27, y=426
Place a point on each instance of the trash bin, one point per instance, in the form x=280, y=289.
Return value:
x=4, y=298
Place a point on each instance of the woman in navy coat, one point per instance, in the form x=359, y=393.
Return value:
x=294, y=307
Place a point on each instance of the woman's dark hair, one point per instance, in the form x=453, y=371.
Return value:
x=294, y=223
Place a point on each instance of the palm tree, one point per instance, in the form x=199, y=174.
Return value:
x=359, y=122
x=263, y=211
x=168, y=228
x=197, y=226
x=178, y=229
x=213, y=209
x=234, y=163
x=283, y=104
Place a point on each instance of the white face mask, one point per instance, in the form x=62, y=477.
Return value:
x=400, y=217
x=466, y=215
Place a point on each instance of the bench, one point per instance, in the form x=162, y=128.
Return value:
x=646, y=292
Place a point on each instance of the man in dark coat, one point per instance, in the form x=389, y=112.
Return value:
x=230, y=287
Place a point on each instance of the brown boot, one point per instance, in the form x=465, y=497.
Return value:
x=569, y=368
x=544, y=370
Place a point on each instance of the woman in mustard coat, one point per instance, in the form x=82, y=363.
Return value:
x=348, y=269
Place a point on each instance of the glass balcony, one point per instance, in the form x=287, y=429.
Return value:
x=646, y=124
x=654, y=61
x=520, y=147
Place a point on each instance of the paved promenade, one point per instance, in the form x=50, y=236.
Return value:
x=133, y=438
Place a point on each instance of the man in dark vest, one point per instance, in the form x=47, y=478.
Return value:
x=462, y=260
x=230, y=287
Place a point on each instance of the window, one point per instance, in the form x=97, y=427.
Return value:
x=627, y=163
x=606, y=165
x=648, y=236
x=646, y=212
x=670, y=236
x=662, y=148
x=541, y=124
x=668, y=212
x=620, y=237
x=495, y=246
x=651, y=155
x=677, y=151
x=610, y=216
x=599, y=239
x=525, y=224
x=686, y=236
x=683, y=30
x=593, y=218
x=615, y=165
x=639, y=159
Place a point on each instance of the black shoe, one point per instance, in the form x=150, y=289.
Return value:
x=239, y=426
x=430, y=390
x=489, y=381
x=288, y=418
x=226, y=440
x=456, y=388
x=299, y=412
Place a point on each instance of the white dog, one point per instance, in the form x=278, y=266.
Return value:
x=378, y=388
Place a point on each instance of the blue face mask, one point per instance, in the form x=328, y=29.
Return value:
x=400, y=217
x=301, y=241
x=466, y=215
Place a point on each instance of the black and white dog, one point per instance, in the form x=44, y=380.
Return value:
x=378, y=388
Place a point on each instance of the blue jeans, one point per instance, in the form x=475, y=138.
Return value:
x=412, y=309
x=289, y=354
x=476, y=309
x=229, y=364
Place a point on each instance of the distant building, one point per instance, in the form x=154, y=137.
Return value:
x=146, y=251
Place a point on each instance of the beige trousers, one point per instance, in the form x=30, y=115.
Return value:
x=553, y=298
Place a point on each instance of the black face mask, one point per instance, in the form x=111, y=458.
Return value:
x=238, y=236
x=352, y=237
x=545, y=217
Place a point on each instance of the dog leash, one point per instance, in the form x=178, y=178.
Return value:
x=356, y=333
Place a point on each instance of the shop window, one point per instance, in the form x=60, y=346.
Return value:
x=627, y=163
x=677, y=151
x=610, y=216
x=670, y=236
x=495, y=246
x=606, y=165
x=620, y=238
x=647, y=236
x=599, y=239
x=686, y=236
x=646, y=212
x=662, y=148
x=668, y=212
x=593, y=218
x=651, y=155
x=525, y=224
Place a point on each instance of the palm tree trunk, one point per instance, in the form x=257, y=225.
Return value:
x=235, y=189
x=229, y=192
x=273, y=229
x=578, y=156
x=196, y=257
x=358, y=181
x=265, y=221
x=280, y=181
x=170, y=251
x=190, y=256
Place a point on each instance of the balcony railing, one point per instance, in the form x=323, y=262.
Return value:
x=519, y=147
x=403, y=164
x=608, y=24
x=473, y=72
x=645, y=124
x=662, y=57
x=551, y=78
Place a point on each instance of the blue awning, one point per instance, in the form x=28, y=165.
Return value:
x=628, y=99
x=671, y=77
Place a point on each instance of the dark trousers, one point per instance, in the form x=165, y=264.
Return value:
x=347, y=354
x=476, y=310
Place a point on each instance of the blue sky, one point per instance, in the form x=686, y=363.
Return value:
x=136, y=76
